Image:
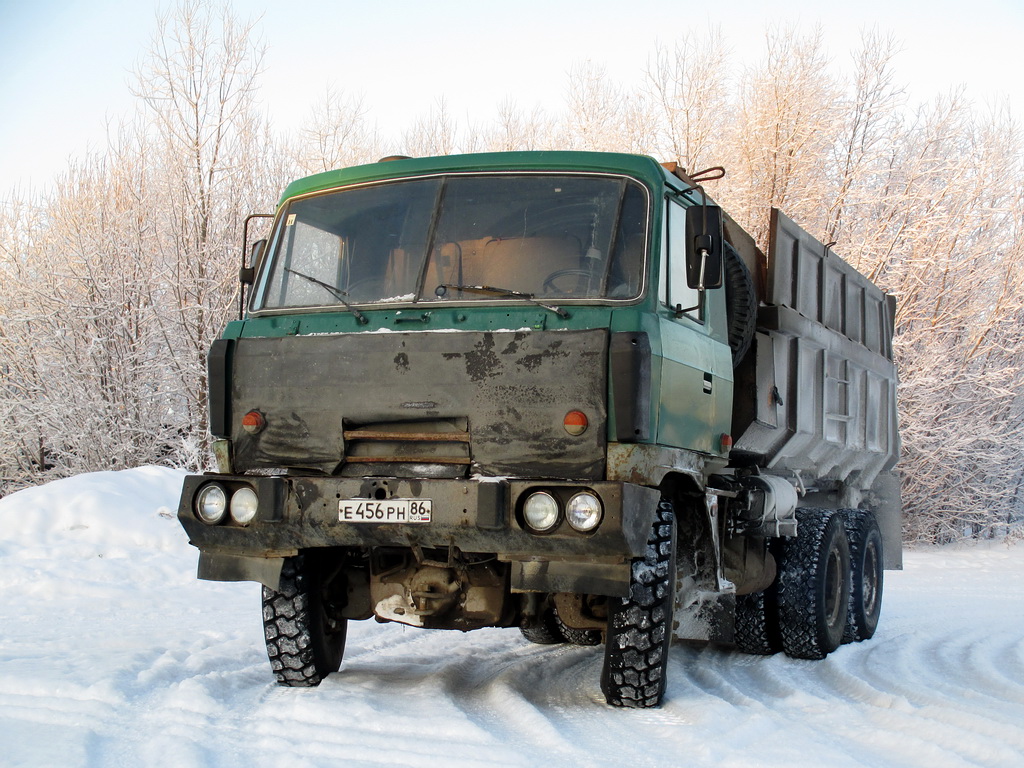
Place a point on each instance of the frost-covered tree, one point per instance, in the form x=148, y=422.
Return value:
x=116, y=282
x=436, y=133
x=113, y=285
x=337, y=134
x=688, y=86
x=515, y=130
x=602, y=115
x=198, y=86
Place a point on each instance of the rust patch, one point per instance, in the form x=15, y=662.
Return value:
x=532, y=362
x=482, y=363
x=513, y=346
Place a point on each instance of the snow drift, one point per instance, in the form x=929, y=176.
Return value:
x=112, y=653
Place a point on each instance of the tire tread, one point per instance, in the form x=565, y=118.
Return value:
x=290, y=629
x=860, y=524
x=799, y=599
x=639, y=626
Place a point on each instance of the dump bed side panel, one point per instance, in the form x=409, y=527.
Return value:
x=821, y=373
x=821, y=286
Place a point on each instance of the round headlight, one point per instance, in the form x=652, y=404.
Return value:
x=541, y=511
x=584, y=512
x=211, y=504
x=243, y=506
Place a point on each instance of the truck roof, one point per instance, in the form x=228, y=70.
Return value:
x=644, y=168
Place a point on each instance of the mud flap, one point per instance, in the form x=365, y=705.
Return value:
x=705, y=604
x=220, y=567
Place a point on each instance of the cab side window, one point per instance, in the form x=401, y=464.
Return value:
x=674, y=291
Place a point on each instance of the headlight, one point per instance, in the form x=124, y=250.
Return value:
x=584, y=512
x=541, y=511
x=211, y=504
x=243, y=506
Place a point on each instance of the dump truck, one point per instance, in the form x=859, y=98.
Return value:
x=562, y=392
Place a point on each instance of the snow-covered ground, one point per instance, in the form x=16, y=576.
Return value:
x=113, y=654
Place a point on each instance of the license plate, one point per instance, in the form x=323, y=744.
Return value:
x=385, y=511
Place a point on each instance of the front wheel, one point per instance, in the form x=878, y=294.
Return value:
x=305, y=638
x=639, y=626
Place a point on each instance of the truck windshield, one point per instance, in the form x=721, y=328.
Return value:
x=555, y=238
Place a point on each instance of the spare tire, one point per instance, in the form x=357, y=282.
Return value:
x=740, y=304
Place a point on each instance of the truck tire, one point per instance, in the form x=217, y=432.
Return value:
x=813, y=585
x=544, y=629
x=756, y=632
x=549, y=629
x=304, y=643
x=575, y=636
x=740, y=304
x=866, y=574
x=639, y=626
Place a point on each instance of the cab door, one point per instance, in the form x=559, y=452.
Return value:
x=695, y=407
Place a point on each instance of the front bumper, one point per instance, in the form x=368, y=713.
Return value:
x=477, y=515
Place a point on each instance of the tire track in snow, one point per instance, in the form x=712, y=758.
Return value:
x=483, y=675
x=128, y=661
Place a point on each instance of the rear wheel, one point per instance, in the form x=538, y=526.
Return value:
x=639, y=626
x=305, y=638
x=578, y=636
x=813, y=585
x=755, y=625
x=866, y=575
x=544, y=628
x=548, y=629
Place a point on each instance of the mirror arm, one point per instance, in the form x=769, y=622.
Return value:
x=679, y=311
x=247, y=274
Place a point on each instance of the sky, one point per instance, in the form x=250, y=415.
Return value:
x=66, y=66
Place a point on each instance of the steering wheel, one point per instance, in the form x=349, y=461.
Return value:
x=549, y=282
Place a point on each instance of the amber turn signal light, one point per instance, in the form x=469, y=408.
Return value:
x=575, y=422
x=253, y=422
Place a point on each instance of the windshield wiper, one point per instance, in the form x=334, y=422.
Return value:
x=443, y=289
x=337, y=292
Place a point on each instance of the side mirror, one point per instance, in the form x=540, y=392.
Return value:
x=704, y=246
x=247, y=275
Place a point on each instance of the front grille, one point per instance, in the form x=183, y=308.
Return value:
x=435, y=449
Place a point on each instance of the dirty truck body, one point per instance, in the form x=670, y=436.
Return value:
x=556, y=391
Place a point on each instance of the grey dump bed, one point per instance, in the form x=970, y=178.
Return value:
x=821, y=367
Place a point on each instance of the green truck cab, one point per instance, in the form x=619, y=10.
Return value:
x=559, y=391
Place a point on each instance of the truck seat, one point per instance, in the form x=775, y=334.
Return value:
x=518, y=263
